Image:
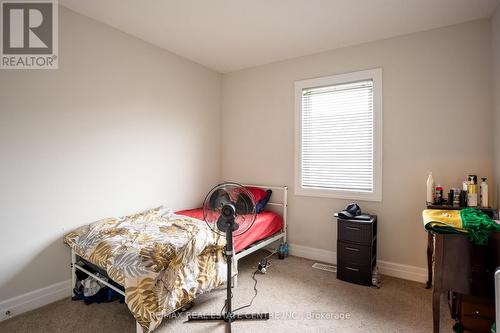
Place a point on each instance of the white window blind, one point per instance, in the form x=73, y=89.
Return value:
x=338, y=142
x=337, y=137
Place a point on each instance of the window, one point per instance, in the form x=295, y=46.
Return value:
x=339, y=136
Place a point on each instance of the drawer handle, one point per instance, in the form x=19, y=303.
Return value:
x=352, y=228
x=352, y=269
x=352, y=249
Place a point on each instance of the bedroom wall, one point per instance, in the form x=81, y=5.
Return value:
x=121, y=126
x=437, y=116
x=495, y=28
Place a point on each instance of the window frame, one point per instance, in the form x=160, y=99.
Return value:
x=376, y=76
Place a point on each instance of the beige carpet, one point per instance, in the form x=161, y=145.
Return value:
x=291, y=291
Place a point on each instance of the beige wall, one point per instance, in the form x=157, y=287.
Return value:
x=495, y=28
x=437, y=116
x=121, y=126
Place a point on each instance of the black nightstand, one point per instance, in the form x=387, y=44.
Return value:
x=356, y=250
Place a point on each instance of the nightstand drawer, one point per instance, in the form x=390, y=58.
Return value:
x=358, y=232
x=355, y=253
x=351, y=272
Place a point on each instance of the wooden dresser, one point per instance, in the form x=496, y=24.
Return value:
x=464, y=270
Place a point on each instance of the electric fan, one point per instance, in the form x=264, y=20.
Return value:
x=229, y=210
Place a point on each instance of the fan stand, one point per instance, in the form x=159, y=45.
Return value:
x=229, y=316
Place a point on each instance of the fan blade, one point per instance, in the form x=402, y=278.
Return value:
x=222, y=224
x=244, y=204
x=218, y=199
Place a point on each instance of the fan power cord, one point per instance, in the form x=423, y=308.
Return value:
x=254, y=295
x=251, y=301
x=225, y=304
x=261, y=268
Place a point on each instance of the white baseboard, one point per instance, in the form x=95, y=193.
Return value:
x=34, y=299
x=328, y=257
x=407, y=272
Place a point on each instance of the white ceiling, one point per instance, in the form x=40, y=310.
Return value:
x=228, y=35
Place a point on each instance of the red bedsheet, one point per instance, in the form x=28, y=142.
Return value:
x=266, y=224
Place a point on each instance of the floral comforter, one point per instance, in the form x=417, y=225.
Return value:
x=162, y=260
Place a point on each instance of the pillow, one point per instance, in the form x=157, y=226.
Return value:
x=261, y=197
x=258, y=193
x=259, y=207
x=243, y=202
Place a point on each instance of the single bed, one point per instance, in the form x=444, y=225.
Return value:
x=160, y=260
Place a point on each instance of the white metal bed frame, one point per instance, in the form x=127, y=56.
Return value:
x=252, y=248
x=267, y=241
